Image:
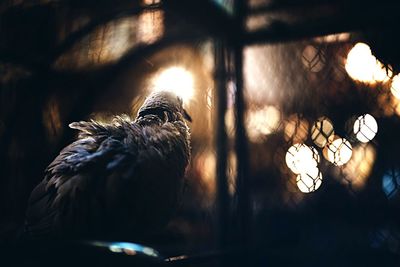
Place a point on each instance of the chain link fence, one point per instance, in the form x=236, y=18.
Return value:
x=321, y=118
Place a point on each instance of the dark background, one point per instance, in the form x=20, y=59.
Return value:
x=65, y=61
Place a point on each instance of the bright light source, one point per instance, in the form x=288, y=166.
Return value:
x=310, y=181
x=362, y=66
x=301, y=158
x=322, y=131
x=365, y=128
x=177, y=80
x=338, y=151
x=395, y=88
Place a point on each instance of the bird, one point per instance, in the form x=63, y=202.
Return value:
x=120, y=179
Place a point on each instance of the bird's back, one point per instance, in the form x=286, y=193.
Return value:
x=117, y=180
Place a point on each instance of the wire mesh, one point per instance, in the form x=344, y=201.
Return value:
x=321, y=117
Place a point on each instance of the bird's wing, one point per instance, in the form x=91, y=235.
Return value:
x=71, y=191
x=107, y=173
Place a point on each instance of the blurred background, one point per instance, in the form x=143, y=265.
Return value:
x=295, y=107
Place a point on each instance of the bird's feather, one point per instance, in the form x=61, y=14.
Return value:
x=117, y=178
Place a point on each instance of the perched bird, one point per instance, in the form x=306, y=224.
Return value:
x=117, y=180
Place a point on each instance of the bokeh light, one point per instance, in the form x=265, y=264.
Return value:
x=365, y=128
x=128, y=248
x=322, y=131
x=302, y=159
x=359, y=168
x=338, y=151
x=151, y=2
x=333, y=38
x=206, y=166
x=391, y=182
x=177, y=80
x=262, y=122
x=230, y=122
x=296, y=129
x=310, y=181
x=363, y=66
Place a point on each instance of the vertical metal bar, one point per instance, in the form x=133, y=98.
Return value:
x=242, y=183
x=221, y=143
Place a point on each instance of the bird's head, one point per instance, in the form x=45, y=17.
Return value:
x=163, y=104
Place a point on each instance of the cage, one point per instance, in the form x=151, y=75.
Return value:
x=295, y=108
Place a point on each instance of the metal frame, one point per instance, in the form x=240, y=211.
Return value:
x=230, y=38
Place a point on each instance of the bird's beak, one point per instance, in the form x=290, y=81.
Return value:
x=186, y=115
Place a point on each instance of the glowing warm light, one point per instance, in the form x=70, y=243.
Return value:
x=262, y=122
x=310, y=181
x=209, y=99
x=395, y=88
x=205, y=168
x=205, y=164
x=332, y=38
x=230, y=122
x=296, y=129
x=150, y=26
x=208, y=162
x=362, y=66
x=151, y=2
x=177, y=80
x=301, y=158
x=232, y=172
x=322, y=131
x=365, y=128
x=338, y=151
x=262, y=73
x=358, y=169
